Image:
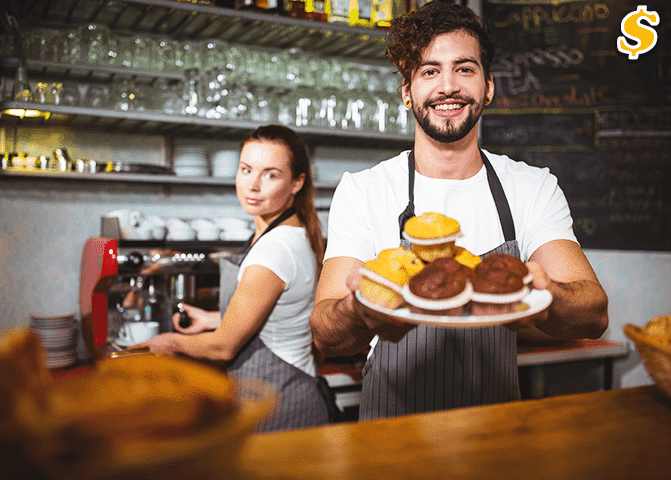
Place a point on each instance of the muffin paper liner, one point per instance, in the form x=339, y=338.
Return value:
x=430, y=304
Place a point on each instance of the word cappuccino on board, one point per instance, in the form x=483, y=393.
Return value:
x=644, y=36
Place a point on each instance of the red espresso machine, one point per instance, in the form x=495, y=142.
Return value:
x=99, y=271
x=161, y=275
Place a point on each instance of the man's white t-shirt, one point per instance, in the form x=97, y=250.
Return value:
x=363, y=219
x=286, y=251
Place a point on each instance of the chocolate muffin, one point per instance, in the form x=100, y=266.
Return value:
x=503, y=262
x=499, y=285
x=441, y=288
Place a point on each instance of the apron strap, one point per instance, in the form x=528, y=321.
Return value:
x=500, y=200
x=247, y=246
x=409, y=211
x=502, y=206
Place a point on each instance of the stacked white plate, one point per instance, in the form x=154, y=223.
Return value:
x=225, y=163
x=191, y=161
x=58, y=336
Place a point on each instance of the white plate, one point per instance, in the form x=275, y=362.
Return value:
x=538, y=300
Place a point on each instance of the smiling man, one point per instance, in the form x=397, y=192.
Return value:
x=444, y=54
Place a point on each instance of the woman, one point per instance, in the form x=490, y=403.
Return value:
x=262, y=330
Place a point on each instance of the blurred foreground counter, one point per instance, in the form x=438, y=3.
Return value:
x=606, y=435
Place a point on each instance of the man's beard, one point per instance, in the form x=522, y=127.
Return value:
x=449, y=133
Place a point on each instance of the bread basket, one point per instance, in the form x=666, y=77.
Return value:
x=654, y=348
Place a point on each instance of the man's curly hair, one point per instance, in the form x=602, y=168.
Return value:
x=410, y=34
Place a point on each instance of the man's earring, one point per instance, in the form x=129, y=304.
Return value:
x=407, y=103
x=488, y=100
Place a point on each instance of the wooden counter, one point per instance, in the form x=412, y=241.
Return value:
x=616, y=434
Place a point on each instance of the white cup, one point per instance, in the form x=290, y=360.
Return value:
x=205, y=229
x=137, y=332
x=179, y=230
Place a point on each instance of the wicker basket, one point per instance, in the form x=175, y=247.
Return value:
x=654, y=350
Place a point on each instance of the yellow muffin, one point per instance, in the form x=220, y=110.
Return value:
x=432, y=235
x=383, y=278
x=412, y=263
x=465, y=257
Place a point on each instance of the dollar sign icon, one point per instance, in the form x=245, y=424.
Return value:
x=633, y=28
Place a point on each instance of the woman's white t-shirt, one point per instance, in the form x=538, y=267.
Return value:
x=286, y=251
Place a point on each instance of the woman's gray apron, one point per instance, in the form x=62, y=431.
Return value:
x=436, y=368
x=304, y=400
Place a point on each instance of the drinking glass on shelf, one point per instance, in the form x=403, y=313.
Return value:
x=295, y=68
x=124, y=52
x=70, y=94
x=391, y=80
x=261, y=107
x=375, y=112
x=336, y=69
x=94, y=39
x=40, y=44
x=304, y=107
x=97, y=96
x=286, y=108
x=354, y=112
x=67, y=47
x=163, y=98
x=240, y=103
x=373, y=80
x=255, y=67
x=191, y=54
x=141, y=52
x=238, y=58
x=309, y=66
x=324, y=111
x=191, y=92
x=215, y=54
x=123, y=95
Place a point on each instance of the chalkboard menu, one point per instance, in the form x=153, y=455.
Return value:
x=567, y=99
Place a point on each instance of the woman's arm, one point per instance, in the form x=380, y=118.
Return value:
x=251, y=304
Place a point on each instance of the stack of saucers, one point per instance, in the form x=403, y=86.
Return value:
x=191, y=161
x=58, y=336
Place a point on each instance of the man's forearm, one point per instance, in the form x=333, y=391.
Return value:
x=579, y=310
x=336, y=328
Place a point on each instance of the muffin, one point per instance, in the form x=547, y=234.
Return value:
x=499, y=285
x=466, y=258
x=432, y=235
x=441, y=288
x=383, y=278
x=412, y=263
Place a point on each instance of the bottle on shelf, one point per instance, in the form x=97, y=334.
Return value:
x=364, y=14
x=295, y=8
x=342, y=11
x=384, y=11
x=269, y=6
x=316, y=10
x=416, y=4
x=245, y=4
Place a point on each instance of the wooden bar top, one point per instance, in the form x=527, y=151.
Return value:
x=616, y=434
